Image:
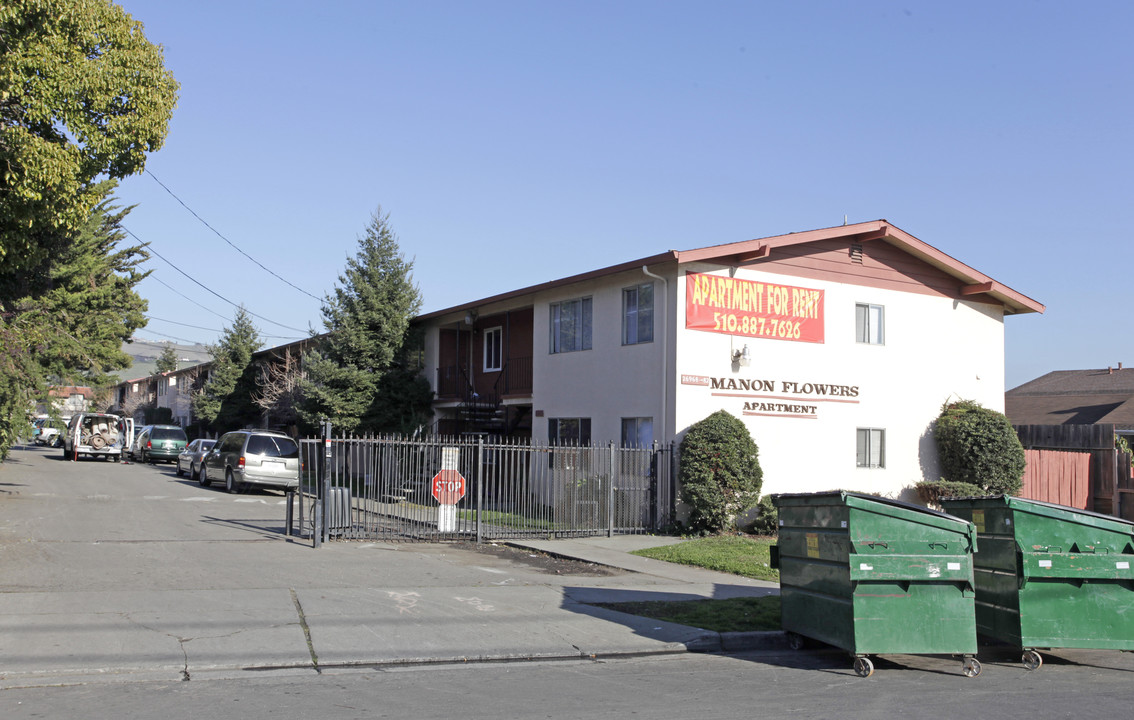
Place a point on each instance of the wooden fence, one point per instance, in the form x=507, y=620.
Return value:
x=1059, y=455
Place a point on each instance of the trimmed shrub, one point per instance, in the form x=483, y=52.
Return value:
x=767, y=520
x=719, y=471
x=978, y=446
x=931, y=491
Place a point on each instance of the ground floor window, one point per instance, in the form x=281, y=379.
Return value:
x=637, y=432
x=569, y=431
x=573, y=433
x=871, y=448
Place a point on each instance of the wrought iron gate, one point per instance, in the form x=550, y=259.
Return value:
x=382, y=488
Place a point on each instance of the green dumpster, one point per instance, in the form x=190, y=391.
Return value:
x=875, y=576
x=1051, y=576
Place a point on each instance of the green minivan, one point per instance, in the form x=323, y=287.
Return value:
x=161, y=442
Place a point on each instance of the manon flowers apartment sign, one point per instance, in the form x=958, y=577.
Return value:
x=776, y=398
x=716, y=303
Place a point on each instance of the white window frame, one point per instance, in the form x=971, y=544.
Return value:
x=493, y=364
x=870, y=324
x=870, y=448
x=635, y=330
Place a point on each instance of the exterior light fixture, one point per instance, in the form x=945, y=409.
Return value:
x=742, y=357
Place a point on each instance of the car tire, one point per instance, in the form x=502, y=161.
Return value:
x=202, y=476
x=230, y=482
x=180, y=472
x=65, y=455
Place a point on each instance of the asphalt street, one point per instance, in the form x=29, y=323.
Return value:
x=127, y=591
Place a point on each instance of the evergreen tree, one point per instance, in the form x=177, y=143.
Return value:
x=366, y=319
x=227, y=399
x=66, y=322
x=167, y=361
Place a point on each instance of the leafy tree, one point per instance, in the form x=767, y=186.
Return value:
x=83, y=94
x=226, y=400
x=719, y=471
x=978, y=446
x=366, y=319
x=167, y=361
x=83, y=97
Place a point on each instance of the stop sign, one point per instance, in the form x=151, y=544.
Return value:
x=448, y=487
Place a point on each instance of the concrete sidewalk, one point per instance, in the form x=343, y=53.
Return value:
x=131, y=635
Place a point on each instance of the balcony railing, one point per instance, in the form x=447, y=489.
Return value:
x=515, y=378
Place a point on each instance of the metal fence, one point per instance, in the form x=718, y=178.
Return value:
x=405, y=489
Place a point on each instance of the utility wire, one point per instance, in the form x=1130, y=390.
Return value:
x=198, y=327
x=149, y=248
x=222, y=237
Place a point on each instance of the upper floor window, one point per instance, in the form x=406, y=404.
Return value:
x=571, y=325
x=869, y=324
x=871, y=448
x=493, y=348
x=638, y=314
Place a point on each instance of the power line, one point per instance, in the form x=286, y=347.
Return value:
x=198, y=327
x=149, y=248
x=222, y=237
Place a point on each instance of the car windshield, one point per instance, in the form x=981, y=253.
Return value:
x=167, y=434
x=272, y=446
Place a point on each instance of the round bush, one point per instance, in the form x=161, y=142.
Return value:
x=978, y=446
x=719, y=471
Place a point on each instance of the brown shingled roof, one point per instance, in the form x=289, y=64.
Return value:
x=1074, y=397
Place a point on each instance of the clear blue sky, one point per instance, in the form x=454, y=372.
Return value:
x=517, y=142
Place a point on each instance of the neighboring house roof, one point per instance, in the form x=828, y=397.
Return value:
x=66, y=391
x=787, y=249
x=1074, y=397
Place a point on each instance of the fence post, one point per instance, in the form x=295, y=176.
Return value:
x=655, y=496
x=479, y=486
x=610, y=491
x=323, y=507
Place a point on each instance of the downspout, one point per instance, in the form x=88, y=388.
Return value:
x=665, y=352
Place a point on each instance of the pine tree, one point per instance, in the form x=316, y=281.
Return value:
x=366, y=318
x=65, y=322
x=227, y=400
x=167, y=361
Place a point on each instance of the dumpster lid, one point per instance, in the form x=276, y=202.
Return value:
x=874, y=498
x=1011, y=500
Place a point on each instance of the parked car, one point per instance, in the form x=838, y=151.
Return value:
x=48, y=432
x=246, y=458
x=161, y=442
x=96, y=435
x=135, y=448
x=191, y=456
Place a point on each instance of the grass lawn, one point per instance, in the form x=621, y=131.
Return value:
x=747, y=556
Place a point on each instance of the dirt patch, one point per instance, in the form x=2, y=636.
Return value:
x=541, y=562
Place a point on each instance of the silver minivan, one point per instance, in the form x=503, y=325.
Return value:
x=252, y=458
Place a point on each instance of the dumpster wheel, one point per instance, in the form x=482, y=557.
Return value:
x=863, y=667
x=971, y=667
x=1032, y=660
x=794, y=640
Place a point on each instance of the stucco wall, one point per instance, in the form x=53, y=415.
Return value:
x=936, y=349
x=606, y=383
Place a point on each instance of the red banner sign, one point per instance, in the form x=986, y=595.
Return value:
x=722, y=304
